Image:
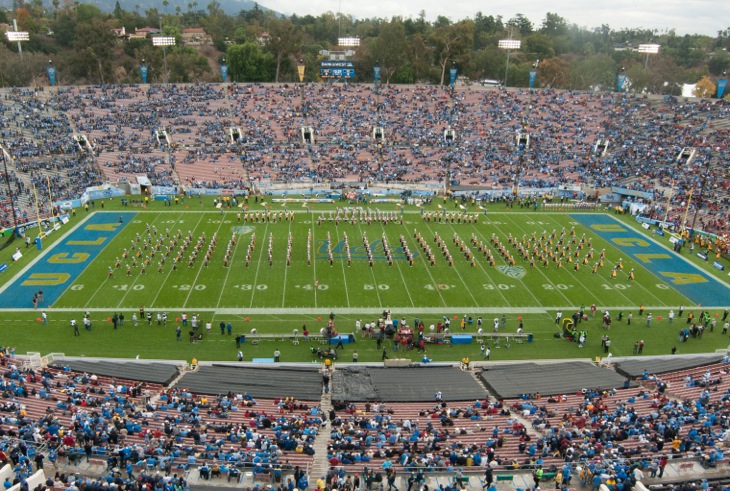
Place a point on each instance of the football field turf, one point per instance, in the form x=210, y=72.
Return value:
x=286, y=268
x=312, y=281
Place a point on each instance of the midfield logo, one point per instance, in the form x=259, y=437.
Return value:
x=516, y=272
x=358, y=251
x=242, y=230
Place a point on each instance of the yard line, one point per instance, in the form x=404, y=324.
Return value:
x=397, y=263
x=47, y=251
x=313, y=253
x=633, y=283
x=427, y=266
x=344, y=278
x=200, y=268
x=169, y=272
x=264, y=244
x=483, y=268
x=537, y=269
x=98, y=255
x=286, y=267
x=456, y=270
x=228, y=273
x=372, y=269
x=540, y=269
x=134, y=280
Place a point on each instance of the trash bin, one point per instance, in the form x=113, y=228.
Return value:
x=530, y=337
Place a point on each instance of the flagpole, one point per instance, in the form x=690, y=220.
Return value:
x=37, y=211
x=50, y=195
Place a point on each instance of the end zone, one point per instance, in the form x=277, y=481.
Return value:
x=695, y=284
x=65, y=261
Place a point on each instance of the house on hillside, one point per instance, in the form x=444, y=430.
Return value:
x=196, y=36
x=143, y=33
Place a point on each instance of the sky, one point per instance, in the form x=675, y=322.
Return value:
x=684, y=16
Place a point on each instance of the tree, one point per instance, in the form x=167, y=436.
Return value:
x=247, y=63
x=419, y=56
x=596, y=71
x=719, y=63
x=93, y=42
x=187, y=65
x=283, y=40
x=540, y=45
x=705, y=88
x=521, y=23
x=389, y=50
x=553, y=25
x=450, y=43
x=554, y=72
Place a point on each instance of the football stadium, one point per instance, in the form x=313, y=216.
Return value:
x=359, y=286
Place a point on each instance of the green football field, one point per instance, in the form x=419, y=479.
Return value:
x=278, y=285
x=294, y=266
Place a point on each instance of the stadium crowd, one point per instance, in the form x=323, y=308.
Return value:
x=644, y=137
x=147, y=434
x=144, y=433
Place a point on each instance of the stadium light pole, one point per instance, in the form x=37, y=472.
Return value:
x=17, y=36
x=164, y=41
x=508, y=45
x=648, y=49
x=6, y=157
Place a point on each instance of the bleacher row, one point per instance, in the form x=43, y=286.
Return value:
x=645, y=137
x=67, y=417
x=635, y=423
x=682, y=413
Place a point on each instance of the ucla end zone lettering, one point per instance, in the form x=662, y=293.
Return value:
x=693, y=283
x=60, y=266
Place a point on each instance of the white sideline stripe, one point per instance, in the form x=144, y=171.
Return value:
x=42, y=255
x=377, y=310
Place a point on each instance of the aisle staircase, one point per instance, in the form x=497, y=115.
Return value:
x=320, y=465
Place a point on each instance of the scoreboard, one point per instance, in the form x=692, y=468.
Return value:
x=337, y=69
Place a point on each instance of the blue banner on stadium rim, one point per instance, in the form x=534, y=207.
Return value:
x=143, y=71
x=620, y=82
x=721, y=84
x=452, y=76
x=376, y=74
x=51, y=71
x=533, y=77
x=224, y=72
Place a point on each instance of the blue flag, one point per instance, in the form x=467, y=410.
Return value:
x=224, y=72
x=620, y=81
x=143, y=71
x=533, y=77
x=452, y=76
x=51, y=71
x=376, y=74
x=721, y=84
